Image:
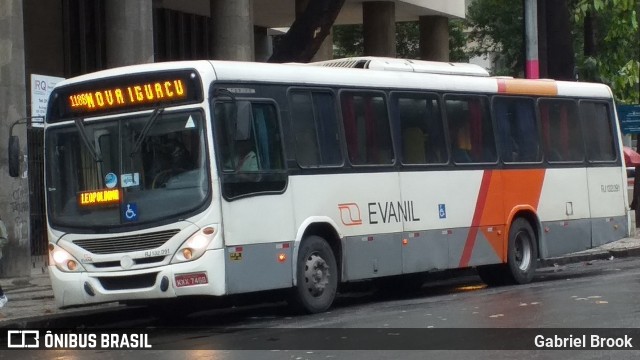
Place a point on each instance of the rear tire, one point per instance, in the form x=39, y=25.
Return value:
x=316, y=276
x=522, y=256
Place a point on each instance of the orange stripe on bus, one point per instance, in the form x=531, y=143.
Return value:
x=501, y=191
x=477, y=216
x=527, y=87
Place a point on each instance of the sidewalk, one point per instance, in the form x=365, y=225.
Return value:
x=31, y=300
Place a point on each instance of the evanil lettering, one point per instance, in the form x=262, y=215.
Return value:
x=134, y=94
x=391, y=211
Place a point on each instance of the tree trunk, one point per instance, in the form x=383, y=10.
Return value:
x=560, y=57
x=307, y=33
x=590, y=46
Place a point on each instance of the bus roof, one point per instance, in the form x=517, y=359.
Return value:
x=305, y=74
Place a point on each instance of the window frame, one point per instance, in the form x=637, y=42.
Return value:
x=582, y=139
x=445, y=114
x=536, y=120
x=394, y=108
x=384, y=96
x=614, y=137
x=338, y=118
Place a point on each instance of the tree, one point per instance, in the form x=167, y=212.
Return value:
x=609, y=30
x=496, y=29
x=603, y=35
x=307, y=32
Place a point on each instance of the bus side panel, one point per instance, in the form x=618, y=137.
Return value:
x=425, y=251
x=258, y=267
x=606, y=197
x=365, y=206
x=564, y=237
x=371, y=256
x=444, y=204
x=255, y=231
x=564, y=212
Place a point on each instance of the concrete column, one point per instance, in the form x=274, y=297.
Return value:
x=14, y=192
x=232, y=30
x=325, y=52
x=262, y=43
x=434, y=38
x=129, y=32
x=379, y=28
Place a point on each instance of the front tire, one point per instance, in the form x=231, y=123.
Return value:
x=316, y=276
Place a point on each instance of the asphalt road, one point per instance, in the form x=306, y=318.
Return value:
x=459, y=313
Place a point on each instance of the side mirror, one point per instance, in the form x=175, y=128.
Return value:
x=14, y=156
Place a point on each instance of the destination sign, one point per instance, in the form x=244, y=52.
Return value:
x=124, y=93
x=155, y=92
x=99, y=197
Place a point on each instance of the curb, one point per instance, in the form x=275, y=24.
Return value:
x=596, y=255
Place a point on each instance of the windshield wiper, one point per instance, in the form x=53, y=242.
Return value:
x=145, y=130
x=83, y=134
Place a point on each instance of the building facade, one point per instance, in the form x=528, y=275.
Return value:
x=66, y=38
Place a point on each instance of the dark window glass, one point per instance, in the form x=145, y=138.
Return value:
x=422, y=132
x=561, y=131
x=598, y=135
x=315, y=126
x=249, y=148
x=366, y=128
x=516, y=121
x=470, y=129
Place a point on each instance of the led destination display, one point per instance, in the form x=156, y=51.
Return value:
x=125, y=93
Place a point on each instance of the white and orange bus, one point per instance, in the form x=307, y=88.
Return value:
x=216, y=178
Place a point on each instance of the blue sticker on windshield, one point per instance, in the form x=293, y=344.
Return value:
x=130, y=212
x=110, y=180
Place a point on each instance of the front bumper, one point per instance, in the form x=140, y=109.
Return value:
x=70, y=288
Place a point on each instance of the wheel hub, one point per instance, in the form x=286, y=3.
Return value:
x=316, y=274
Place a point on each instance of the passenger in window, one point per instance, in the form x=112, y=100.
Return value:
x=462, y=142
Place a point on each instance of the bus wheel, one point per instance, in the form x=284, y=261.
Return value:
x=522, y=253
x=522, y=257
x=316, y=275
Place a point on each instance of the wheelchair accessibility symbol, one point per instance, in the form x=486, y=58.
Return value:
x=130, y=212
x=442, y=211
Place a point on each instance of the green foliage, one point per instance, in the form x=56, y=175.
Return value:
x=616, y=62
x=408, y=40
x=347, y=41
x=496, y=28
x=458, y=41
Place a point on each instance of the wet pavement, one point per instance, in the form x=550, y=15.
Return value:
x=31, y=298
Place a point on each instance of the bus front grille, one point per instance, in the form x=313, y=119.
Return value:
x=126, y=243
x=128, y=282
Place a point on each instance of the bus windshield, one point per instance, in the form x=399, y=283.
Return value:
x=146, y=169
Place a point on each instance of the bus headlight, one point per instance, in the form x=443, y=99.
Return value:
x=195, y=245
x=63, y=260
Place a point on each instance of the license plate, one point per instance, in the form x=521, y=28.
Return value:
x=191, y=279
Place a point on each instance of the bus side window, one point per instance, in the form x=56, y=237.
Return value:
x=470, y=129
x=366, y=128
x=315, y=127
x=422, y=129
x=561, y=131
x=516, y=121
x=599, y=137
